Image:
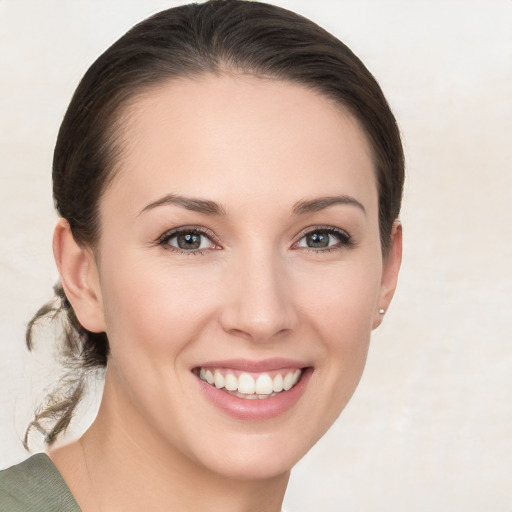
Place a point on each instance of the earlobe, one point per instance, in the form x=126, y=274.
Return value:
x=390, y=270
x=79, y=276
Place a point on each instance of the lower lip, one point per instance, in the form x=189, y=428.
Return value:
x=257, y=409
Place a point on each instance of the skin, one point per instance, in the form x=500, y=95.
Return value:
x=255, y=290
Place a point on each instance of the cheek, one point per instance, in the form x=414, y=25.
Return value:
x=340, y=307
x=341, y=299
x=154, y=308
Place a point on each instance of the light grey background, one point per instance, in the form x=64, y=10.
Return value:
x=430, y=427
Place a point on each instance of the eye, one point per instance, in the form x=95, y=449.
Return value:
x=189, y=240
x=324, y=238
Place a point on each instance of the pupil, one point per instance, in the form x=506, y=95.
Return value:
x=189, y=241
x=317, y=240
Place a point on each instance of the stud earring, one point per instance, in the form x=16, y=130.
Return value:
x=381, y=311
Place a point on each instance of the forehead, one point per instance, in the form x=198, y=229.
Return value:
x=241, y=138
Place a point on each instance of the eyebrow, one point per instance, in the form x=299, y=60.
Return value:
x=197, y=205
x=320, y=203
x=212, y=208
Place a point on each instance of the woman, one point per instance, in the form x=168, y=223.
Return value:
x=229, y=178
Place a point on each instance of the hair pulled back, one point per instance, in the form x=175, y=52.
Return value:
x=216, y=37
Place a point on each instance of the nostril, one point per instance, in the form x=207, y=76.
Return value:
x=257, y=324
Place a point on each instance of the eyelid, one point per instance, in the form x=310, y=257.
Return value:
x=345, y=237
x=201, y=230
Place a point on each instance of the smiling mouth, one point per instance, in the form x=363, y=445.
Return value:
x=250, y=386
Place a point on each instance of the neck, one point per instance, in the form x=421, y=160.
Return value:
x=126, y=467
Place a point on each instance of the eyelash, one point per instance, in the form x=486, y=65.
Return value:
x=185, y=230
x=345, y=240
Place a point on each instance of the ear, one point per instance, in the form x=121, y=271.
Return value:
x=390, y=271
x=79, y=276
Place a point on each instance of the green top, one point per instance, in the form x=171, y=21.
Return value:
x=35, y=485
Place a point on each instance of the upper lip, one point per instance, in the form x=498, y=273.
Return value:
x=248, y=365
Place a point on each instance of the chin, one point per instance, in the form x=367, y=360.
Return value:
x=257, y=457
x=252, y=468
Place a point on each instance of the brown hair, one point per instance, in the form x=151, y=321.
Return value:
x=218, y=36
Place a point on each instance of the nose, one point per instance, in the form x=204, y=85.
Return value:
x=259, y=304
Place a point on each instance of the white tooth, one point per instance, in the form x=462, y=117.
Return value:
x=246, y=384
x=209, y=377
x=202, y=373
x=296, y=376
x=264, y=385
x=231, y=382
x=278, y=383
x=219, y=379
x=288, y=381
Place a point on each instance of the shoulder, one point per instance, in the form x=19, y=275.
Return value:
x=35, y=485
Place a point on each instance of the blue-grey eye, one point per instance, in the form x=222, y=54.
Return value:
x=190, y=241
x=321, y=239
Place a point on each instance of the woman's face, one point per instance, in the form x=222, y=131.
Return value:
x=240, y=246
